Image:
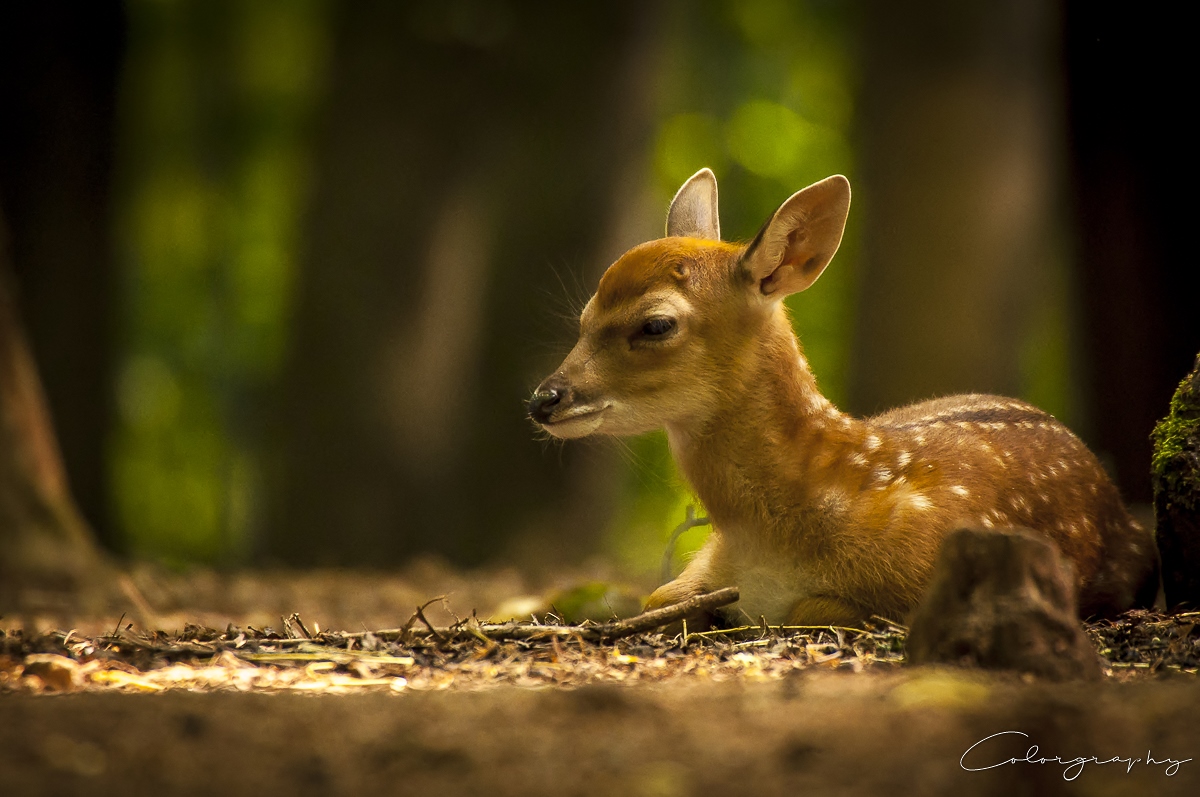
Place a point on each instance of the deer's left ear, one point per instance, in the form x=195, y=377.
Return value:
x=693, y=212
x=798, y=242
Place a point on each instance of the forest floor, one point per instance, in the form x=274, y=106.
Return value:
x=238, y=683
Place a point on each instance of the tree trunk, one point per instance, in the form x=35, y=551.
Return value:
x=471, y=150
x=957, y=131
x=47, y=553
x=59, y=65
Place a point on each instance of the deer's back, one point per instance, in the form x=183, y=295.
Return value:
x=999, y=462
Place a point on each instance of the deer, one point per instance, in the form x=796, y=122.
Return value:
x=818, y=517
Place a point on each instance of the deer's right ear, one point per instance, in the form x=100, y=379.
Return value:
x=798, y=242
x=693, y=212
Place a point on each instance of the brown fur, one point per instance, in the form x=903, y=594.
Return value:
x=819, y=517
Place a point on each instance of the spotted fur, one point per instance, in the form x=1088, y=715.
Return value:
x=820, y=517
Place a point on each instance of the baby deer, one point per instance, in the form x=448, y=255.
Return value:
x=818, y=517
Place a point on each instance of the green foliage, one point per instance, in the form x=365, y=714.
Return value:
x=216, y=109
x=761, y=92
x=214, y=112
x=598, y=601
x=656, y=500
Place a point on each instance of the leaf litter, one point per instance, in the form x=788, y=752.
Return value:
x=544, y=652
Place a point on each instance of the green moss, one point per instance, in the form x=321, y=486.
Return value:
x=1175, y=437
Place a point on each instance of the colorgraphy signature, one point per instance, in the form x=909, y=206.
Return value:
x=1072, y=767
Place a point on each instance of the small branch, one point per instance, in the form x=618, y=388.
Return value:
x=689, y=522
x=648, y=621
x=893, y=623
x=288, y=633
x=466, y=630
x=429, y=625
x=782, y=629
x=295, y=618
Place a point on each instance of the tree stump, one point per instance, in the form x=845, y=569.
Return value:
x=1175, y=475
x=1002, y=600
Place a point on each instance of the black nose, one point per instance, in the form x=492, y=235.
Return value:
x=542, y=405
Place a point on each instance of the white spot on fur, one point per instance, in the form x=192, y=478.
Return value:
x=835, y=497
x=872, y=442
x=920, y=502
x=958, y=489
x=1018, y=503
x=986, y=522
x=903, y=460
x=859, y=461
x=920, y=439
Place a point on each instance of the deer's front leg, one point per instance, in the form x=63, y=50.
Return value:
x=696, y=579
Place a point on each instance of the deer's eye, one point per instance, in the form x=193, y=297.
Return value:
x=658, y=326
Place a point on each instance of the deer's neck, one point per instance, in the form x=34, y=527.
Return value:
x=771, y=446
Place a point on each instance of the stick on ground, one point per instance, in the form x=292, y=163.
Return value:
x=657, y=618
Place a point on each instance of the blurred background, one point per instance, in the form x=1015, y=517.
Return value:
x=289, y=270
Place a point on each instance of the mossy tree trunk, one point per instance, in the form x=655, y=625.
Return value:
x=1176, y=478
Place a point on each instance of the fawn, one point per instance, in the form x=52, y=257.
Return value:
x=818, y=517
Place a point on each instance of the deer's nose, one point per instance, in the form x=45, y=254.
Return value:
x=542, y=405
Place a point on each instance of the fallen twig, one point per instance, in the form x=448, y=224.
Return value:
x=781, y=629
x=295, y=618
x=421, y=616
x=500, y=632
x=647, y=621
x=689, y=522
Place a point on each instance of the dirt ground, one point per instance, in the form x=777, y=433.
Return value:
x=820, y=732
x=223, y=705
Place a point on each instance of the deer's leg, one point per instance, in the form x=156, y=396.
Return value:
x=696, y=579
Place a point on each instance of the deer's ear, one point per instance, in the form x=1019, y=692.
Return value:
x=693, y=212
x=796, y=245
